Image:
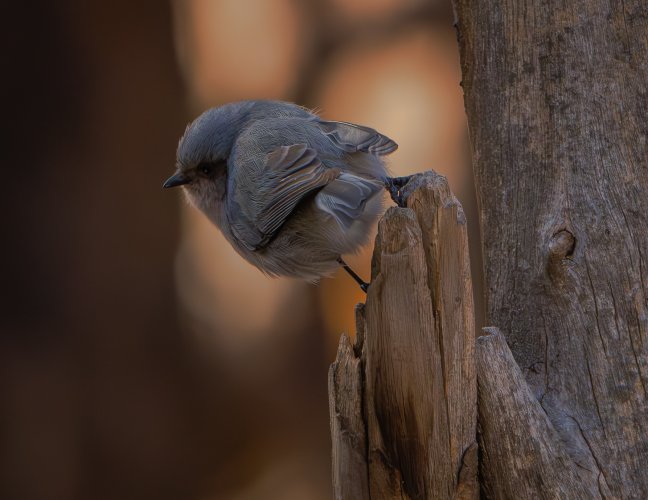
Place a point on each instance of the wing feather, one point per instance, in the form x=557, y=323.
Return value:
x=289, y=174
x=345, y=198
x=353, y=138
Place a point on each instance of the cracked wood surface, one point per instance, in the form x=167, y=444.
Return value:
x=557, y=106
x=522, y=455
x=403, y=398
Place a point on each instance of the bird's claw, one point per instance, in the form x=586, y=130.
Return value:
x=395, y=187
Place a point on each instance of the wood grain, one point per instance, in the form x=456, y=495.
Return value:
x=416, y=359
x=557, y=105
x=348, y=430
x=522, y=454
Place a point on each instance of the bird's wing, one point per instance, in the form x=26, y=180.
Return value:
x=345, y=198
x=289, y=173
x=352, y=138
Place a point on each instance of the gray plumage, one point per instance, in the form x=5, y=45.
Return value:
x=291, y=192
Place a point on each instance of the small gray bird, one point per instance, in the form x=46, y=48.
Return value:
x=291, y=192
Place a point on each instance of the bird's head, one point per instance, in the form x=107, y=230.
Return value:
x=204, y=150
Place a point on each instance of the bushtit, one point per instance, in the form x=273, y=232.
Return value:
x=291, y=192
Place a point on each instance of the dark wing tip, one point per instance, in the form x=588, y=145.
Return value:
x=353, y=138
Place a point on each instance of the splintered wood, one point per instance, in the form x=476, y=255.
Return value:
x=403, y=398
x=520, y=448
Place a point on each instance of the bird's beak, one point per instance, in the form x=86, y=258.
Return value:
x=176, y=180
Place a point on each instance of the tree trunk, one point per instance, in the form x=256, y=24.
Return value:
x=522, y=454
x=558, y=114
x=403, y=399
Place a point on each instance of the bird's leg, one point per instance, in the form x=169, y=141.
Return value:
x=395, y=185
x=363, y=284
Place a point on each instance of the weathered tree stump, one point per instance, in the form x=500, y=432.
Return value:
x=558, y=111
x=403, y=398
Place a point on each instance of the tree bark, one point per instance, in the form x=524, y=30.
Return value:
x=522, y=455
x=403, y=398
x=558, y=113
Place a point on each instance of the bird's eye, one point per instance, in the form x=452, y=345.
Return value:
x=206, y=169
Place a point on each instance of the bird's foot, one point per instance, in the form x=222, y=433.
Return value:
x=364, y=286
x=395, y=187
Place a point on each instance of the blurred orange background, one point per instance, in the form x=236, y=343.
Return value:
x=140, y=356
